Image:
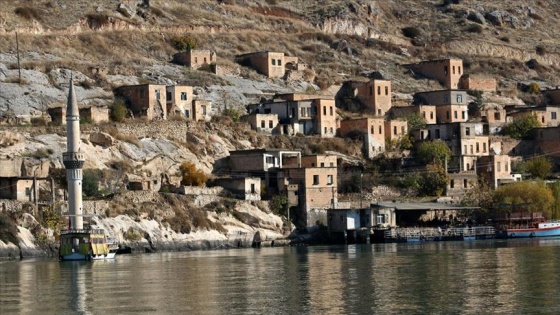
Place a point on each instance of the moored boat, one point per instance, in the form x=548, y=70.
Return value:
x=542, y=229
x=86, y=244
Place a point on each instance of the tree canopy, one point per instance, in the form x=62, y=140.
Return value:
x=521, y=127
x=430, y=151
x=539, y=167
x=527, y=196
x=192, y=176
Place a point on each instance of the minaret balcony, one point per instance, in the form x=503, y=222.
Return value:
x=73, y=160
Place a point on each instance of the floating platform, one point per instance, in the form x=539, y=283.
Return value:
x=407, y=235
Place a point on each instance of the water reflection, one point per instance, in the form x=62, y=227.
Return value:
x=447, y=277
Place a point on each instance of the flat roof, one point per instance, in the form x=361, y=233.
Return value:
x=420, y=206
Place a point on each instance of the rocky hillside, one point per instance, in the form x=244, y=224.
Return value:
x=133, y=42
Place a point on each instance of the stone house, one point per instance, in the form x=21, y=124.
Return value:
x=319, y=160
x=372, y=129
x=195, y=58
x=374, y=94
x=428, y=112
x=248, y=188
x=95, y=114
x=317, y=191
x=179, y=100
x=21, y=183
x=478, y=83
x=267, y=123
x=447, y=71
x=201, y=110
x=395, y=129
x=467, y=142
x=494, y=117
x=547, y=141
x=271, y=64
x=548, y=116
x=145, y=100
x=495, y=169
x=306, y=116
x=451, y=105
x=135, y=182
x=460, y=182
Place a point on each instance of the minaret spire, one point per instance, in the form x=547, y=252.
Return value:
x=73, y=160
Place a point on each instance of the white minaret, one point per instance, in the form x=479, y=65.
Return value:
x=73, y=161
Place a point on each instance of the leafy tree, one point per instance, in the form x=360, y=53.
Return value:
x=534, y=88
x=118, y=110
x=192, y=176
x=475, y=107
x=415, y=122
x=555, y=188
x=539, y=167
x=184, y=43
x=90, y=182
x=279, y=205
x=481, y=196
x=434, y=180
x=521, y=127
x=233, y=113
x=430, y=151
x=525, y=196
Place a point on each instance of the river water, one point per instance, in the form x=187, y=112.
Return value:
x=480, y=277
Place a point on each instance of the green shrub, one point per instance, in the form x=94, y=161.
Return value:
x=90, y=182
x=184, y=43
x=521, y=127
x=475, y=28
x=534, y=88
x=233, y=113
x=118, y=110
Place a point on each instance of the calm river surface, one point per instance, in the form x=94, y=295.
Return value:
x=481, y=277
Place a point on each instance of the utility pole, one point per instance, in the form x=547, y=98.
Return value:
x=18, y=63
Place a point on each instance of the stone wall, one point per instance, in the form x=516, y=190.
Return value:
x=95, y=206
x=7, y=206
x=176, y=130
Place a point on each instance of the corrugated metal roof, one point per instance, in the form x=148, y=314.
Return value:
x=420, y=206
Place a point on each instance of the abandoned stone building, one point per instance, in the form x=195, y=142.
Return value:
x=477, y=83
x=195, y=58
x=547, y=115
x=145, y=100
x=451, y=105
x=372, y=131
x=271, y=64
x=447, y=71
x=245, y=188
x=94, y=114
x=306, y=116
x=375, y=95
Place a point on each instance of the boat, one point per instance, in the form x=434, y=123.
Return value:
x=87, y=244
x=542, y=229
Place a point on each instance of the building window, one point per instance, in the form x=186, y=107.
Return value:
x=506, y=166
x=270, y=124
x=302, y=112
x=183, y=96
x=477, y=147
x=460, y=99
x=464, y=115
x=325, y=129
x=270, y=160
x=315, y=179
x=465, y=149
x=158, y=94
x=431, y=115
x=499, y=167
x=437, y=134
x=204, y=59
x=324, y=110
x=203, y=109
x=424, y=114
x=386, y=90
x=169, y=96
x=553, y=115
x=447, y=115
x=453, y=69
x=380, y=130
x=322, y=164
x=371, y=90
x=445, y=69
x=484, y=147
x=274, y=62
x=497, y=116
x=381, y=219
x=465, y=183
x=331, y=164
x=455, y=114
x=402, y=130
x=467, y=131
x=332, y=131
x=187, y=113
x=459, y=68
x=279, y=62
x=329, y=179
x=395, y=130
x=379, y=112
x=372, y=130
x=332, y=111
x=262, y=123
x=472, y=147
x=253, y=188
x=452, y=184
x=446, y=99
x=378, y=90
